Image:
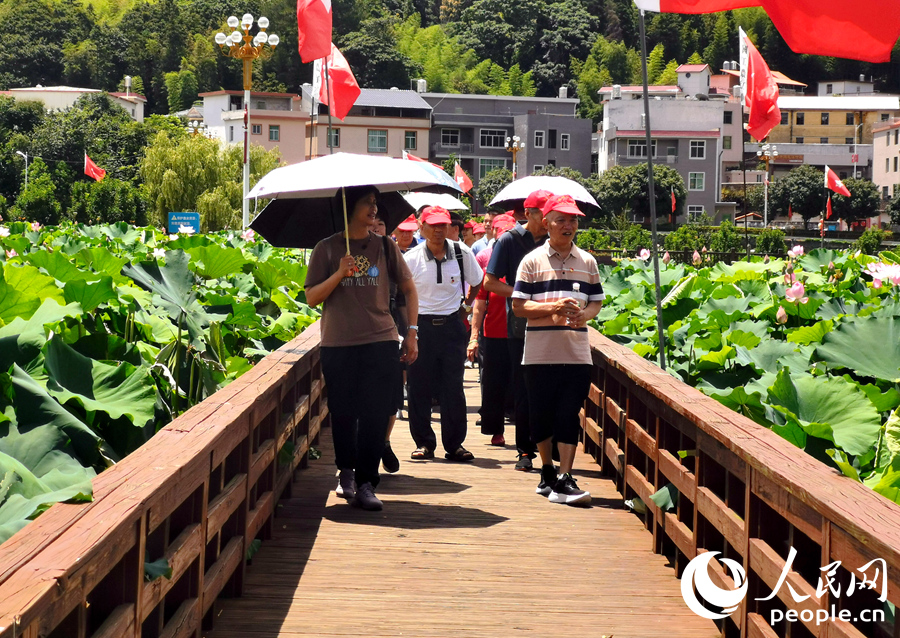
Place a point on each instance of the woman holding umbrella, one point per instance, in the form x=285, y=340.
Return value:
x=351, y=273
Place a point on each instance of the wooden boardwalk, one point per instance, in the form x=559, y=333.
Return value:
x=460, y=550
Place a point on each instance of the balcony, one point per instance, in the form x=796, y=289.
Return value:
x=446, y=149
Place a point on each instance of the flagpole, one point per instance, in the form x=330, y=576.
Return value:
x=330, y=106
x=652, y=195
x=824, y=209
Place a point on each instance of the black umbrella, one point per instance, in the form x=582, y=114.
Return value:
x=302, y=223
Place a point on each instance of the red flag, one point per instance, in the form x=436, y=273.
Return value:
x=828, y=208
x=790, y=212
x=833, y=183
x=673, y=199
x=462, y=179
x=92, y=170
x=866, y=31
x=761, y=93
x=410, y=156
x=343, y=84
x=313, y=29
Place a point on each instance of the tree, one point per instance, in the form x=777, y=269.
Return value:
x=721, y=46
x=801, y=190
x=893, y=207
x=108, y=201
x=669, y=75
x=656, y=63
x=374, y=56
x=863, y=202
x=625, y=189
x=37, y=202
x=491, y=184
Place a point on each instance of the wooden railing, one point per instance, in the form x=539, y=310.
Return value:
x=197, y=494
x=742, y=491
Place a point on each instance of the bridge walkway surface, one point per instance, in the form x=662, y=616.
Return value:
x=460, y=550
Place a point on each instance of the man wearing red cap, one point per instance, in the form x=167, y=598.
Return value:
x=508, y=253
x=404, y=232
x=558, y=291
x=484, y=241
x=440, y=270
x=468, y=234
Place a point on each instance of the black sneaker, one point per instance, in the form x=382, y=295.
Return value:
x=566, y=491
x=524, y=463
x=548, y=480
x=389, y=460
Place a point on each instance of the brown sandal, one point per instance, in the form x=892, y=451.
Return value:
x=422, y=454
x=460, y=456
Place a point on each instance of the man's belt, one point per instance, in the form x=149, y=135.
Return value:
x=437, y=320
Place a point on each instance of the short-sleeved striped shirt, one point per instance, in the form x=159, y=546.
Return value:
x=544, y=276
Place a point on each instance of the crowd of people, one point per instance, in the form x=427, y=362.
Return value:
x=513, y=294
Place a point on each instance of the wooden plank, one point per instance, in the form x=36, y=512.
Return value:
x=841, y=629
x=757, y=627
x=720, y=454
x=592, y=430
x=220, y=571
x=261, y=460
x=614, y=454
x=641, y=438
x=797, y=513
x=854, y=555
x=722, y=517
x=225, y=503
x=768, y=565
x=183, y=551
x=642, y=487
x=119, y=623
x=185, y=622
x=265, y=506
x=680, y=534
x=678, y=475
x=615, y=413
x=722, y=579
x=595, y=395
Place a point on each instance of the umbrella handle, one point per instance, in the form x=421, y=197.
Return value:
x=346, y=224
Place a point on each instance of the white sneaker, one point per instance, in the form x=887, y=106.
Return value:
x=346, y=487
x=566, y=492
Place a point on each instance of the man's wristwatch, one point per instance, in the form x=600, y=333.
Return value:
x=416, y=328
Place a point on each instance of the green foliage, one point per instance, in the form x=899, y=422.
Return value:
x=870, y=241
x=726, y=239
x=864, y=201
x=636, y=237
x=687, y=237
x=98, y=327
x=181, y=89
x=893, y=207
x=491, y=184
x=593, y=239
x=800, y=190
x=771, y=242
x=37, y=202
x=624, y=188
x=108, y=201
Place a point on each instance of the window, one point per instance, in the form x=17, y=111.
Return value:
x=829, y=88
x=488, y=164
x=799, y=140
x=850, y=120
x=842, y=175
x=638, y=148
x=728, y=117
x=887, y=139
x=896, y=136
x=823, y=140
x=537, y=167
x=492, y=138
x=698, y=149
x=887, y=164
x=884, y=192
x=552, y=140
x=261, y=106
x=564, y=142
x=759, y=179
x=274, y=133
x=335, y=138
x=848, y=140
x=539, y=139
x=784, y=118
x=800, y=119
x=551, y=162
x=884, y=117
x=696, y=181
x=256, y=129
x=377, y=141
x=895, y=164
x=449, y=137
x=410, y=139
x=726, y=142
x=694, y=211
x=824, y=119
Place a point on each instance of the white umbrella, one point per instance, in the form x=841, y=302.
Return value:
x=323, y=176
x=445, y=200
x=516, y=192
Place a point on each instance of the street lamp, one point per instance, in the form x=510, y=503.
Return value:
x=514, y=145
x=855, y=157
x=253, y=48
x=768, y=152
x=196, y=127
x=25, y=155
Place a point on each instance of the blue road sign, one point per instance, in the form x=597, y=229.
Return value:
x=179, y=221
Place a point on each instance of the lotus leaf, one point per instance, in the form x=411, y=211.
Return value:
x=870, y=347
x=58, y=266
x=269, y=278
x=296, y=271
x=681, y=290
x=810, y=334
x=820, y=258
x=715, y=360
x=21, y=341
x=837, y=307
x=90, y=294
x=15, y=303
x=742, y=402
x=745, y=339
x=260, y=250
x=102, y=262
x=122, y=233
x=888, y=484
x=117, y=390
x=827, y=408
x=212, y=262
x=666, y=498
x=773, y=355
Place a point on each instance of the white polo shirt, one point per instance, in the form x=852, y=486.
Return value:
x=439, y=284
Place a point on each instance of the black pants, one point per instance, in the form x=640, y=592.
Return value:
x=438, y=372
x=524, y=444
x=495, y=381
x=361, y=382
x=558, y=393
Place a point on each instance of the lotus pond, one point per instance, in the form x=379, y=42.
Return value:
x=808, y=347
x=109, y=332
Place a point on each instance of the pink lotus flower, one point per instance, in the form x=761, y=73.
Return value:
x=795, y=293
x=248, y=235
x=11, y=253
x=830, y=266
x=781, y=316
x=36, y=226
x=796, y=251
x=876, y=283
x=667, y=258
x=882, y=272
x=159, y=253
x=644, y=254
x=766, y=259
x=697, y=259
x=789, y=278
x=4, y=231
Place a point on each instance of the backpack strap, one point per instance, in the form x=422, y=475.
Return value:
x=462, y=273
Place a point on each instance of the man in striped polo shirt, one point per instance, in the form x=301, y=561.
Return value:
x=558, y=290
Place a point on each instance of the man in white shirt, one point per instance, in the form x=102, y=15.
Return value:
x=440, y=270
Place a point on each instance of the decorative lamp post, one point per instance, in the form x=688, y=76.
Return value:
x=514, y=145
x=196, y=127
x=25, y=155
x=768, y=152
x=247, y=48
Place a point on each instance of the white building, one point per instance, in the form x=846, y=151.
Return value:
x=64, y=97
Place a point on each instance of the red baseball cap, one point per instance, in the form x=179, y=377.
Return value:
x=537, y=199
x=434, y=215
x=478, y=229
x=469, y=224
x=409, y=223
x=562, y=204
x=503, y=222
